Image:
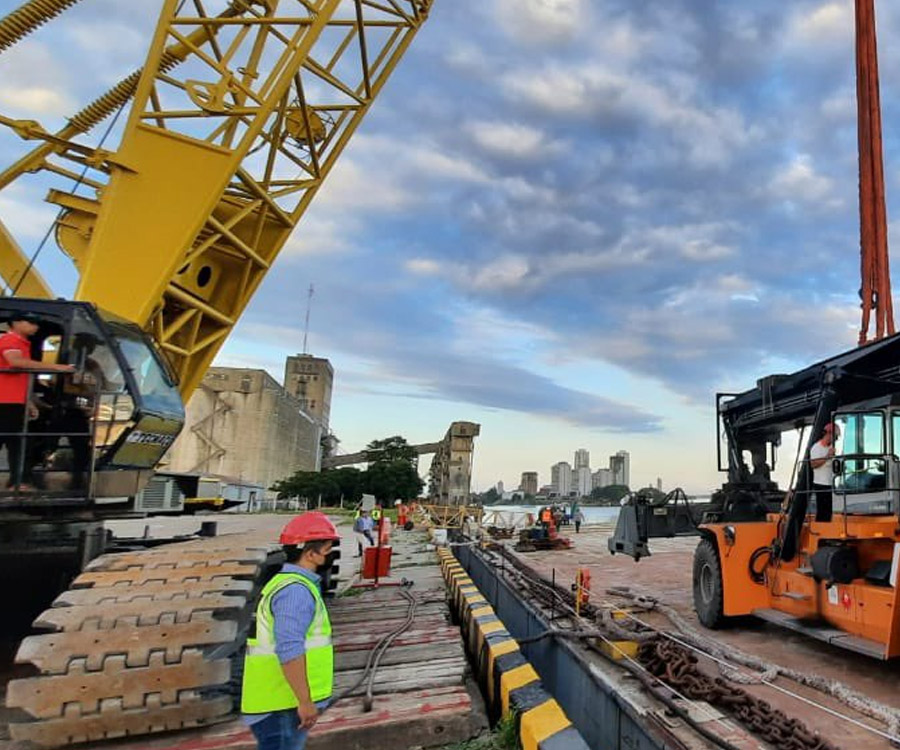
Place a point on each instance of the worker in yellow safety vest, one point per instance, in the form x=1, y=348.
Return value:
x=289, y=664
x=376, y=513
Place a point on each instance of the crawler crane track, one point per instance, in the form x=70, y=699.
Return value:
x=142, y=642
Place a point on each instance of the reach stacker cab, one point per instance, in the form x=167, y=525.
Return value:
x=822, y=561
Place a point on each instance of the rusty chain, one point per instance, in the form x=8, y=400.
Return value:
x=677, y=667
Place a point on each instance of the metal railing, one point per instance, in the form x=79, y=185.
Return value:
x=39, y=434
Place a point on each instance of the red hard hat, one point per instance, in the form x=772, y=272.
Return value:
x=308, y=527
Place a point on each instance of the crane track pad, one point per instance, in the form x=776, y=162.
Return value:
x=140, y=643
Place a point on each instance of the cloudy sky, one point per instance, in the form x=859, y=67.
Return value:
x=572, y=221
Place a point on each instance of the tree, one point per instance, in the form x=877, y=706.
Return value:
x=389, y=450
x=310, y=485
x=350, y=480
x=393, y=480
x=610, y=494
x=392, y=474
x=489, y=497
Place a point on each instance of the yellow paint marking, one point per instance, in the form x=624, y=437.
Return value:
x=515, y=678
x=540, y=723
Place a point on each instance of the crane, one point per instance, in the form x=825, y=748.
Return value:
x=238, y=115
x=819, y=560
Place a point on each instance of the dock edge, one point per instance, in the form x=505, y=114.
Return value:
x=509, y=682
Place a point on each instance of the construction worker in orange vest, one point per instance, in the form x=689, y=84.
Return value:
x=546, y=516
x=402, y=512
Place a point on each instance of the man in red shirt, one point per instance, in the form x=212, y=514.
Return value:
x=15, y=354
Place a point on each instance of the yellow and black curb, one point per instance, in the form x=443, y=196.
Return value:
x=510, y=683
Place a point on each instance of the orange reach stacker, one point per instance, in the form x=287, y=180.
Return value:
x=821, y=562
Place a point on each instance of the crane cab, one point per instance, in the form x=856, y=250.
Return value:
x=93, y=436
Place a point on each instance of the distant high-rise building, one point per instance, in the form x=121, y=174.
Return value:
x=601, y=478
x=583, y=481
x=561, y=478
x=500, y=486
x=620, y=466
x=582, y=459
x=659, y=484
x=529, y=484
x=310, y=379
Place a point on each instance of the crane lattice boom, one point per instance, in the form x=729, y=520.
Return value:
x=238, y=115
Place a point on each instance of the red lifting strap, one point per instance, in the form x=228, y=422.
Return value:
x=875, y=265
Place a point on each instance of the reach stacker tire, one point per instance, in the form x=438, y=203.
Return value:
x=708, y=590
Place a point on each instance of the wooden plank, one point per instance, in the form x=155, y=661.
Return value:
x=406, y=677
x=397, y=686
x=414, y=653
x=380, y=627
x=371, y=616
x=363, y=640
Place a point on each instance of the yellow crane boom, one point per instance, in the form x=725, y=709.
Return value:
x=237, y=118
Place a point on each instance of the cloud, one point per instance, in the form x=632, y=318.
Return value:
x=663, y=189
x=465, y=370
x=540, y=21
x=709, y=134
x=33, y=83
x=512, y=140
x=34, y=99
x=636, y=252
x=824, y=24
x=798, y=183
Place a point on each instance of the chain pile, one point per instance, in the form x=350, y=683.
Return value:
x=677, y=667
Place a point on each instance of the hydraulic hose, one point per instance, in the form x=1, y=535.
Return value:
x=377, y=653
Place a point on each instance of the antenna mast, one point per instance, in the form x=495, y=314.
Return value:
x=309, y=297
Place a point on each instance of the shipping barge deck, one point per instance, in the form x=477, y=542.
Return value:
x=666, y=577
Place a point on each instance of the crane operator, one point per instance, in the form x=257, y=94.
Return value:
x=15, y=360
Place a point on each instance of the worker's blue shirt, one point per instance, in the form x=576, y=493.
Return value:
x=363, y=524
x=293, y=609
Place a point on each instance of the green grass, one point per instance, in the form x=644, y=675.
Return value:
x=503, y=737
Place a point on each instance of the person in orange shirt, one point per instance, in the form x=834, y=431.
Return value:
x=15, y=361
x=402, y=512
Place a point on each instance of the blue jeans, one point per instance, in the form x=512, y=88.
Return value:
x=280, y=730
